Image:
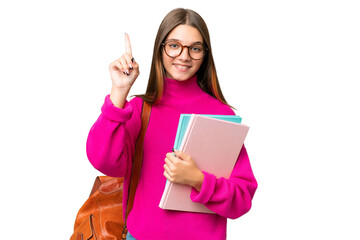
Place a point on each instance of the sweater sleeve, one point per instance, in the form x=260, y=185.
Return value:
x=231, y=197
x=111, y=140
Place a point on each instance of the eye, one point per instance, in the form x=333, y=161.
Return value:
x=173, y=45
x=196, y=48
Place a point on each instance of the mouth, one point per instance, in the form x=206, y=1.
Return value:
x=182, y=67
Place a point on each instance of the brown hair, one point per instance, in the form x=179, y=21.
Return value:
x=206, y=75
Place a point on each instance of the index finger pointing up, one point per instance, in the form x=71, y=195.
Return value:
x=127, y=44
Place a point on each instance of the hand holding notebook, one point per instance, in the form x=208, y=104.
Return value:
x=181, y=168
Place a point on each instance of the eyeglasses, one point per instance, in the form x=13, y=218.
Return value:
x=174, y=49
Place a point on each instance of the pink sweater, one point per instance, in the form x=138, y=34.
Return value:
x=110, y=147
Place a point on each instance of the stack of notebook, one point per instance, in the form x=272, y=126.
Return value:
x=214, y=143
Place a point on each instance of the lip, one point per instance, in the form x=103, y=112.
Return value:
x=179, y=67
x=183, y=65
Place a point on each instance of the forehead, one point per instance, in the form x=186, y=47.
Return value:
x=185, y=34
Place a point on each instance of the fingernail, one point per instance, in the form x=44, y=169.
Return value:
x=127, y=72
x=132, y=60
x=124, y=72
x=130, y=66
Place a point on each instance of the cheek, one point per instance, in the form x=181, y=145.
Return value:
x=166, y=60
x=198, y=65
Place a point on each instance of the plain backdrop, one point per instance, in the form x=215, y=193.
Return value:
x=290, y=68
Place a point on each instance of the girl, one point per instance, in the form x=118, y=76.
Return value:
x=182, y=79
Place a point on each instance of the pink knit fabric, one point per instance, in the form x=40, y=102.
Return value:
x=110, y=147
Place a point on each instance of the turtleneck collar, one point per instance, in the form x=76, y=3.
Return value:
x=187, y=86
x=175, y=90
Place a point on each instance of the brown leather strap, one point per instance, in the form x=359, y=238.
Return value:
x=98, y=181
x=138, y=157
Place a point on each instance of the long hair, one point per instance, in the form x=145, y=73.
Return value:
x=206, y=75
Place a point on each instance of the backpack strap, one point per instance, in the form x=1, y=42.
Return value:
x=138, y=157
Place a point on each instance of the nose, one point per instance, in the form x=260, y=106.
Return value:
x=185, y=55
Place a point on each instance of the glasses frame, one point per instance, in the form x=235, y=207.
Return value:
x=185, y=46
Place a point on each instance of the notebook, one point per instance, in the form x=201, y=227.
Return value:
x=214, y=144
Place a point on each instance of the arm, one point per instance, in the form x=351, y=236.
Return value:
x=111, y=140
x=231, y=197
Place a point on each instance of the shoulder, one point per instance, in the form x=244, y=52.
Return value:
x=216, y=106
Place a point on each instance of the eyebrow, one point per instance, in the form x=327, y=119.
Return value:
x=177, y=40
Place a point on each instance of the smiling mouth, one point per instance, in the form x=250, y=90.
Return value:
x=183, y=67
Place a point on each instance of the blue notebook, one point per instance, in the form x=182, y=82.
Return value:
x=184, y=121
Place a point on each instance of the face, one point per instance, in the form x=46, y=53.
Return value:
x=183, y=66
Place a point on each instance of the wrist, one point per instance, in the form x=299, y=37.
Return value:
x=120, y=90
x=198, y=181
x=118, y=96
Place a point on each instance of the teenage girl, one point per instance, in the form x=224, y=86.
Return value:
x=182, y=79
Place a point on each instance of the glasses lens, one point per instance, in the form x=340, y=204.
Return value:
x=173, y=49
x=196, y=51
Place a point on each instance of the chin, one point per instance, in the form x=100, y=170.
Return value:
x=182, y=78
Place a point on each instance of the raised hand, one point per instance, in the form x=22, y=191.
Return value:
x=123, y=72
